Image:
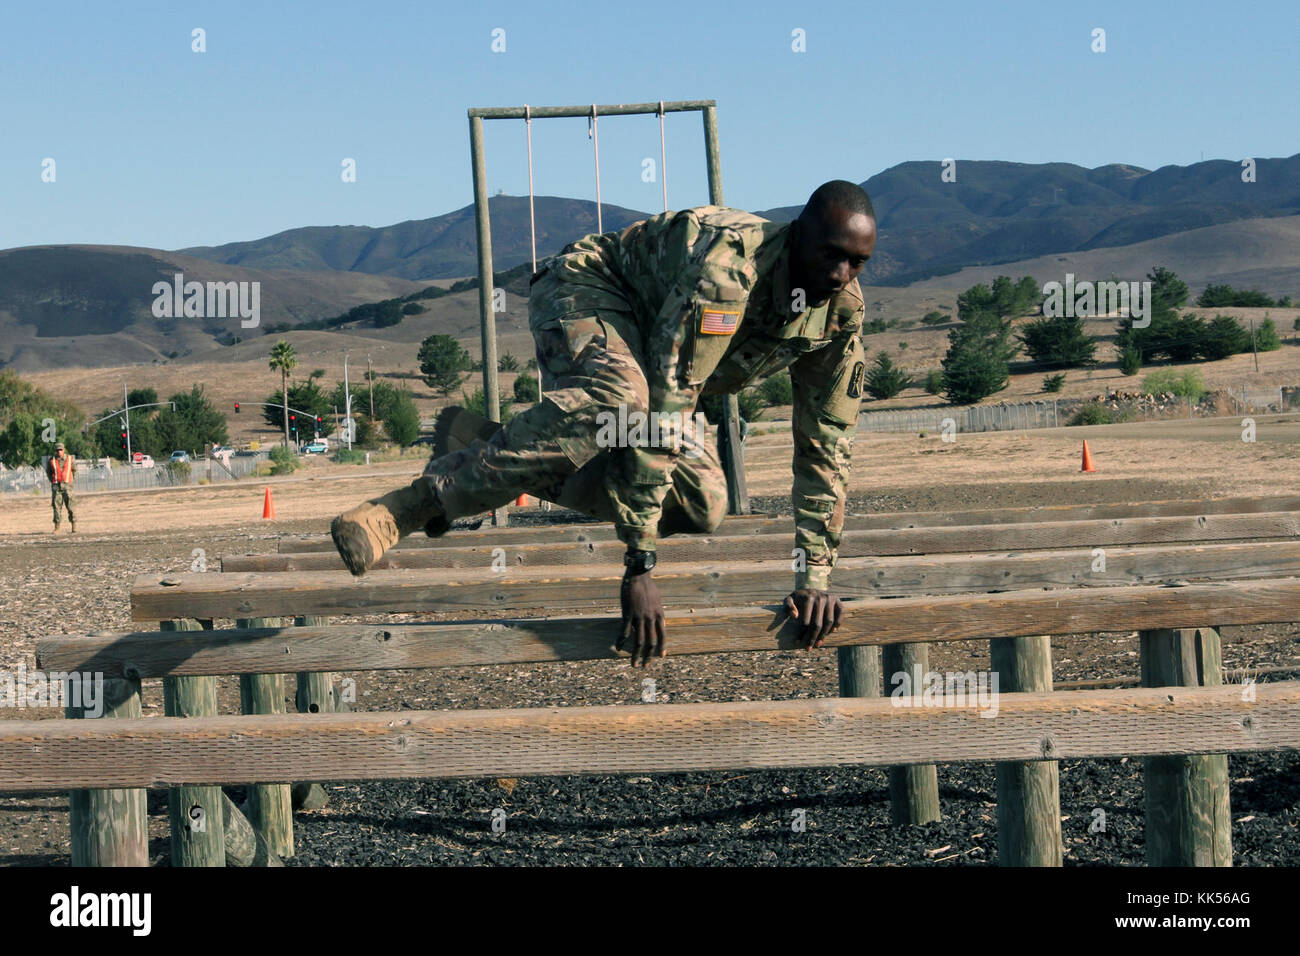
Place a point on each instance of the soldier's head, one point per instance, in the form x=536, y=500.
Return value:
x=60, y=450
x=831, y=240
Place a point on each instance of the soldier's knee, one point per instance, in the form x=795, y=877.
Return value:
x=716, y=508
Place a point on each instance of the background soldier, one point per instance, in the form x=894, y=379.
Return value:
x=62, y=471
x=646, y=320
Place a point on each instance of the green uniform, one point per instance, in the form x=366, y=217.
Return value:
x=61, y=494
x=649, y=319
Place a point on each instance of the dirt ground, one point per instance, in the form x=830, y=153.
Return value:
x=79, y=584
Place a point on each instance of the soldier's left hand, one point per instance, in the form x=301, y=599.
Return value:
x=819, y=611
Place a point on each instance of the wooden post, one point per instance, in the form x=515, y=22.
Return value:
x=859, y=668
x=197, y=828
x=913, y=790
x=110, y=827
x=733, y=464
x=1188, y=815
x=270, y=805
x=315, y=696
x=487, y=317
x=1028, y=793
x=244, y=845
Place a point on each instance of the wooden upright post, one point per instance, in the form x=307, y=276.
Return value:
x=729, y=445
x=1028, y=792
x=270, y=805
x=487, y=318
x=1188, y=815
x=315, y=696
x=198, y=833
x=913, y=790
x=110, y=827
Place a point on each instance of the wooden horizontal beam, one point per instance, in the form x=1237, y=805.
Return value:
x=725, y=584
x=1096, y=533
x=762, y=524
x=45, y=755
x=875, y=621
x=602, y=109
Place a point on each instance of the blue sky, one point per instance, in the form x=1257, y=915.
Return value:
x=156, y=145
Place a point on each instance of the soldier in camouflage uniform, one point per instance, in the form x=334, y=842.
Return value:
x=679, y=305
x=62, y=472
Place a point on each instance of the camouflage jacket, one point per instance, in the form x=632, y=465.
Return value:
x=707, y=292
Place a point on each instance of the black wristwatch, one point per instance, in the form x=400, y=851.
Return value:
x=639, y=562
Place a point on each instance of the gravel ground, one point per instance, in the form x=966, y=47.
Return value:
x=738, y=818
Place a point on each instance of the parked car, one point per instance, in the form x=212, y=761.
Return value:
x=141, y=460
x=180, y=455
x=317, y=447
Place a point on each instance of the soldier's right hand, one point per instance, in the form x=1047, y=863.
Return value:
x=644, y=627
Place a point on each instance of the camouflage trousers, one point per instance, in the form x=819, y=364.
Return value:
x=590, y=363
x=61, y=497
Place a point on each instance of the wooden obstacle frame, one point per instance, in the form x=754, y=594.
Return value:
x=1174, y=571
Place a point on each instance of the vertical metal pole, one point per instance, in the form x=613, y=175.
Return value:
x=347, y=398
x=733, y=465
x=126, y=410
x=487, y=320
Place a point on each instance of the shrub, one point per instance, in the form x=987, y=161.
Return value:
x=508, y=363
x=1130, y=360
x=350, y=456
x=526, y=389
x=1185, y=384
x=935, y=318
x=476, y=402
x=1054, y=383
x=1266, y=337
x=1094, y=413
x=283, y=461
x=778, y=389
x=934, y=382
x=751, y=404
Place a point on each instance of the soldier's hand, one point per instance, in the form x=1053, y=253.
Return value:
x=818, y=611
x=643, y=618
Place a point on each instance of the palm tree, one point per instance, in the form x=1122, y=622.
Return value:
x=284, y=358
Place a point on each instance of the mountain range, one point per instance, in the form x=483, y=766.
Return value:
x=76, y=304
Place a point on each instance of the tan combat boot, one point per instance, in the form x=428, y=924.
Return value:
x=73, y=524
x=363, y=534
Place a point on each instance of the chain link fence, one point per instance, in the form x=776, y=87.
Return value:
x=970, y=418
x=118, y=476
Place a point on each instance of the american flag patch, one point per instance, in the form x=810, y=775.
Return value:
x=718, y=322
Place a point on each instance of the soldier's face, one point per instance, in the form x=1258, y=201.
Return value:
x=829, y=250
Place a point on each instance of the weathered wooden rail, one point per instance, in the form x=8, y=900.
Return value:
x=1171, y=570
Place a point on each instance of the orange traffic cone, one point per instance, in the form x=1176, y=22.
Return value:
x=268, y=508
x=1087, y=459
x=521, y=501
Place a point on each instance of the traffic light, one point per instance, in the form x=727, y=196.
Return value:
x=236, y=408
x=293, y=424
x=123, y=441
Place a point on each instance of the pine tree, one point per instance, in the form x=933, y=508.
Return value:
x=885, y=380
x=976, y=365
